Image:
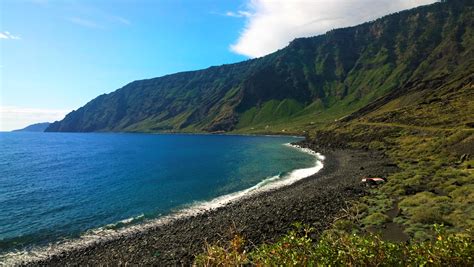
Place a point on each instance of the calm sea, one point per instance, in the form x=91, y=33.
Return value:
x=55, y=186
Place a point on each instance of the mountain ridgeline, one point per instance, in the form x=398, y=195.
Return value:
x=37, y=127
x=311, y=82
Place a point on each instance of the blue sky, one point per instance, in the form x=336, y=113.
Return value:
x=55, y=56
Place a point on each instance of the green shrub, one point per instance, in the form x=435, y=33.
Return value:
x=344, y=225
x=464, y=194
x=338, y=248
x=428, y=215
x=232, y=254
x=376, y=145
x=376, y=218
x=294, y=249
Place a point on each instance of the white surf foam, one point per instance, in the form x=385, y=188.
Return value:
x=109, y=232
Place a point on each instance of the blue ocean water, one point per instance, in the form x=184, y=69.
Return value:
x=58, y=185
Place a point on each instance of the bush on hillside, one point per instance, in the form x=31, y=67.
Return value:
x=339, y=248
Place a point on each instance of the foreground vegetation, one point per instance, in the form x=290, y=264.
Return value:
x=338, y=248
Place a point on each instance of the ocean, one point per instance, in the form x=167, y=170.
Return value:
x=58, y=187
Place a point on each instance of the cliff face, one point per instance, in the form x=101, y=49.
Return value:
x=312, y=80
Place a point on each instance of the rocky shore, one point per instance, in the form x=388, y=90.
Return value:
x=316, y=200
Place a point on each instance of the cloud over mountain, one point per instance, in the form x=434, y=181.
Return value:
x=272, y=24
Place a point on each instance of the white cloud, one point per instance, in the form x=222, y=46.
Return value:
x=85, y=23
x=12, y=117
x=238, y=14
x=105, y=19
x=90, y=16
x=272, y=24
x=8, y=35
x=120, y=20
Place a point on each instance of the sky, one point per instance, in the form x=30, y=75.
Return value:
x=56, y=55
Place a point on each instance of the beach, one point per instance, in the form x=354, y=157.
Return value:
x=316, y=200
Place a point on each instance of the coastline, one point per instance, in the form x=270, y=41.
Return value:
x=316, y=200
x=138, y=224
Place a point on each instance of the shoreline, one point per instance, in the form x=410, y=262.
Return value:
x=109, y=233
x=261, y=217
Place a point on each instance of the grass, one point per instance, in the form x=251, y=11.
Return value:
x=339, y=248
x=432, y=186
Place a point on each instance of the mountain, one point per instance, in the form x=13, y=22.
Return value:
x=310, y=83
x=37, y=127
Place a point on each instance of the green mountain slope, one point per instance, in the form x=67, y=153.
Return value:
x=427, y=129
x=311, y=82
x=429, y=133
